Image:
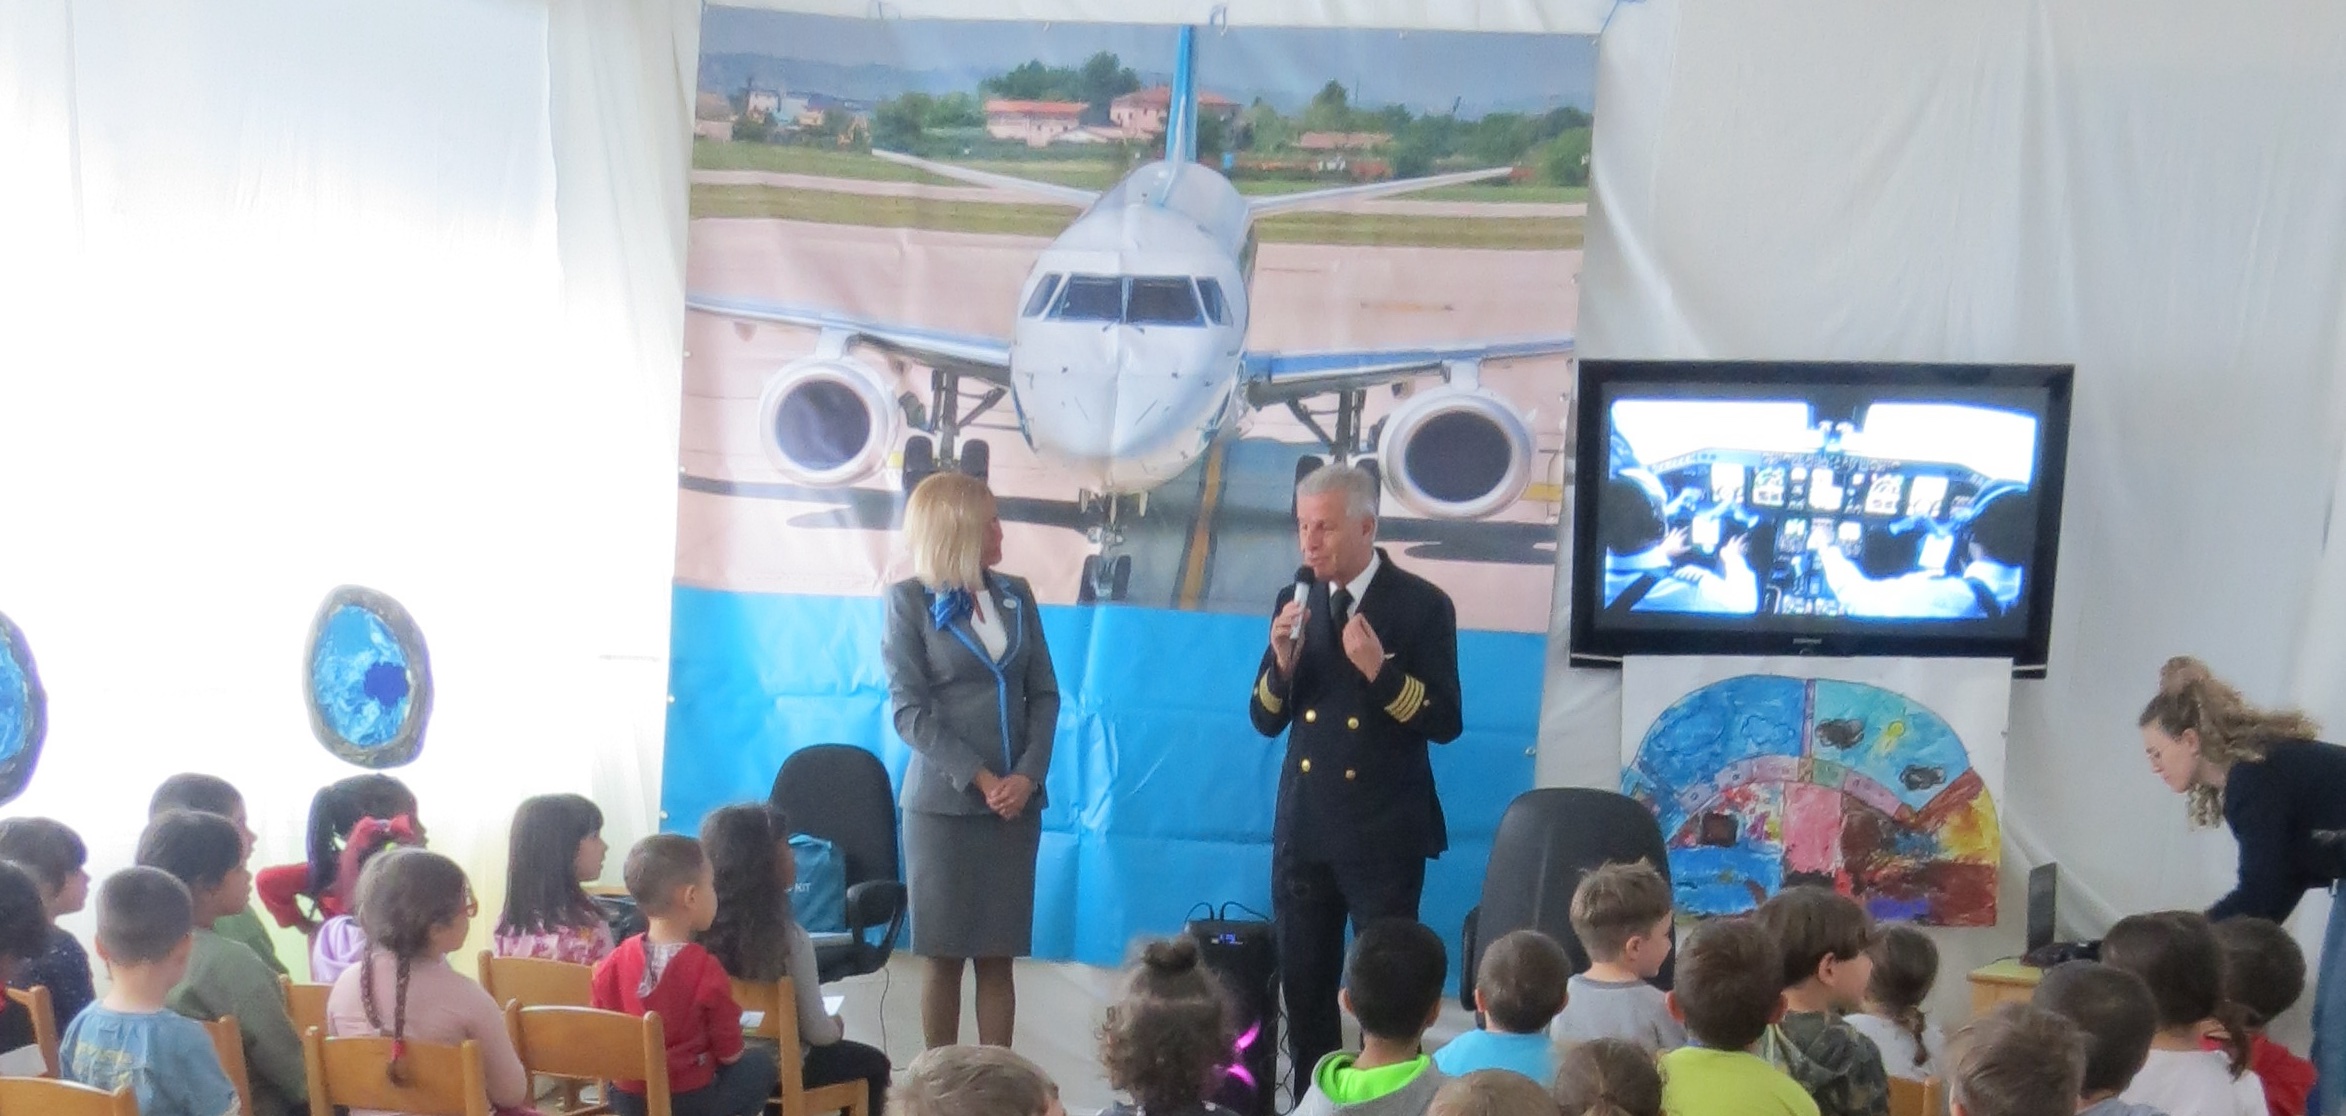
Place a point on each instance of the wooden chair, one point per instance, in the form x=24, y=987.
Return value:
x=1917, y=1098
x=36, y=1001
x=228, y=1044
x=779, y=1003
x=34, y=1096
x=353, y=1072
x=305, y=1004
x=536, y=983
x=581, y=1042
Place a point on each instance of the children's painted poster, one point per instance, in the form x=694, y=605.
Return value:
x=1878, y=778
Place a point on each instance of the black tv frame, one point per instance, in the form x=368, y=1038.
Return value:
x=2029, y=652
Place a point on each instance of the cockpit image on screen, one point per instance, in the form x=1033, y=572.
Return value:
x=1896, y=511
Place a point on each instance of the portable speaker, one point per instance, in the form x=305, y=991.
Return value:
x=1244, y=955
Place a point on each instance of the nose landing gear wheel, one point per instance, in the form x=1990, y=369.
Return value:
x=977, y=458
x=1105, y=580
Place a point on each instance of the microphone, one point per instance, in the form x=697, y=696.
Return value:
x=1303, y=597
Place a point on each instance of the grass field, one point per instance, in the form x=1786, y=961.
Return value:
x=1088, y=174
x=830, y=207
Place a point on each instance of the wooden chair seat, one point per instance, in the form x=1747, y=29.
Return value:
x=443, y=1080
x=584, y=1042
x=778, y=1002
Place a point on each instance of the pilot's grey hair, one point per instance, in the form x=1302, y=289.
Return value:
x=1358, y=487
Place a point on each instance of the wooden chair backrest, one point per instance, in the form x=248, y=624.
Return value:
x=354, y=1072
x=37, y=1096
x=592, y=1043
x=305, y=1004
x=228, y=1043
x=778, y=1001
x=537, y=983
x=1916, y=1098
x=36, y=1001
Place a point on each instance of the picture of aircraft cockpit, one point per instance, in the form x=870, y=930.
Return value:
x=1893, y=511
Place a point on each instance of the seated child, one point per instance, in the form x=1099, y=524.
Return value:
x=2113, y=1010
x=711, y=1072
x=1166, y=1040
x=55, y=856
x=1608, y=1077
x=1492, y=1092
x=1906, y=965
x=210, y=794
x=1621, y=913
x=1730, y=988
x=341, y=941
x=1393, y=986
x=2176, y=955
x=2264, y=973
x=557, y=845
x=24, y=935
x=2017, y=1060
x=303, y=895
x=206, y=853
x=973, y=1081
x=1518, y=988
x=1821, y=941
x=146, y=922
x=418, y=907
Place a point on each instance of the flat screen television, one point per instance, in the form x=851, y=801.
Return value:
x=1786, y=508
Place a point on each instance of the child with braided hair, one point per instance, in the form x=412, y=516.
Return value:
x=1906, y=965
x=416, y=907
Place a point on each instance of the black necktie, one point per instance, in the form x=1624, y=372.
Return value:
x=1340, y=608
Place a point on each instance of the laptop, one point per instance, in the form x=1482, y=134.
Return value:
x=2044, y=885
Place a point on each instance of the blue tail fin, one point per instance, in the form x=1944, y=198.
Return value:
x=1181, y=112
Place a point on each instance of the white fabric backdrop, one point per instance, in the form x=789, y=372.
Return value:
x=2125, y=186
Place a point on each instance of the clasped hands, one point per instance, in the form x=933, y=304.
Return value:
x=1361, y=645
x=1006, y=795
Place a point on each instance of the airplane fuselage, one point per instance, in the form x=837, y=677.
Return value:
x=1125, y=362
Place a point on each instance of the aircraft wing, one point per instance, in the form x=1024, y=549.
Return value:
x=1266, y=205
x=1047, y=191
x=986, y=358
x=1276, y=378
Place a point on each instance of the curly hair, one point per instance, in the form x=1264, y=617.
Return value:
x=1170, y=1035
x=2192, y=699
x=745, y=845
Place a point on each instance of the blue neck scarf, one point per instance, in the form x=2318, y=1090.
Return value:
x=947, y=607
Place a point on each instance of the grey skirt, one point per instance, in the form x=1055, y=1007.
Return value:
x=972, y=879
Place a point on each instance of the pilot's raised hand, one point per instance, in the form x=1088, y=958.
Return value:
x=1285, y=636
x=1362, y=646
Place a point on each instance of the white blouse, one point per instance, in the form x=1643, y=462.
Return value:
x=985, y=618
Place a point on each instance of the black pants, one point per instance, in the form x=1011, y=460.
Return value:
x=850, y=1061
x=1310, y=902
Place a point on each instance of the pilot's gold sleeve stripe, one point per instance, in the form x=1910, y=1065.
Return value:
x=1411, y=699
x=1262, y=693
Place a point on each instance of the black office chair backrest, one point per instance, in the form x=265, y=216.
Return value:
x=1547, y=841
x=840, y=793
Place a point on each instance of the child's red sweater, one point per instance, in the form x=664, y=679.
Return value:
x=697, y=1011
x=2288, y=1078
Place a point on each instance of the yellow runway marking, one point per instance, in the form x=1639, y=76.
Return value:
x=1193, y=568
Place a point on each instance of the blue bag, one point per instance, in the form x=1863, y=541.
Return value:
x=820, y=900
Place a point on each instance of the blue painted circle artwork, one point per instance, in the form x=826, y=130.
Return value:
x=24, y=712
x=369, y=682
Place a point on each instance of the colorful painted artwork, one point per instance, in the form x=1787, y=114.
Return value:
x=1763, y=782
x=24, y=712
x=368, y=680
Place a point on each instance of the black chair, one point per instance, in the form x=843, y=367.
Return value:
x=1547, y=841
x=840, y=793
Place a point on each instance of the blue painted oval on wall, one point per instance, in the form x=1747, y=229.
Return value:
x=24, y=712
x=367, y=679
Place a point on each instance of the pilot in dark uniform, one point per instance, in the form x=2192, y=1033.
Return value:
x=1372, y=681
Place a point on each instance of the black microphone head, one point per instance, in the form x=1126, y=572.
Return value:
x=1303, y=575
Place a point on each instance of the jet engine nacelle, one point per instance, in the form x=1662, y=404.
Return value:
x=1455, y=453
x=828, y=421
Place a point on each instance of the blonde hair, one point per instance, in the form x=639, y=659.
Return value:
x=2192, y=699
x=945, y=528
x=971, y=1081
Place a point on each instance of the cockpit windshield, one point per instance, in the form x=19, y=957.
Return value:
x=1136, y=300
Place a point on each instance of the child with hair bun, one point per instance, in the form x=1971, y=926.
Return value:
x=1165, y=1043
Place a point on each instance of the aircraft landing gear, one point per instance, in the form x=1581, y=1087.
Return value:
x=920, y=460
x=1105, y=579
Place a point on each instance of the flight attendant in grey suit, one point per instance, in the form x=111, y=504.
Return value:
x=971, y=685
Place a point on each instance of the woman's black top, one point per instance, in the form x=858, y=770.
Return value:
x=2274, y=806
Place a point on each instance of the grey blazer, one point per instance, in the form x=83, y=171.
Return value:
x=960, y=711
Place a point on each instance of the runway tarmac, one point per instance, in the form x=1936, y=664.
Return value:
x=1219, y=537
x=1391, y=207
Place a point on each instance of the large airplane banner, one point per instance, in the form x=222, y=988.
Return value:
x=1141, y=278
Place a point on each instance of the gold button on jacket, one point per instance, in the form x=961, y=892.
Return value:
x=1306, y=766
x=1311, y=716
x=1352, y=722
x=1351, y=774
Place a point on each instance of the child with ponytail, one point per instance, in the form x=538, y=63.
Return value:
x=1166, y=1042
x=1608, y=1077
x=342, y=941
x=417, y=907
x=2176, y=955
x=1906, y=965
x=304, y=895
